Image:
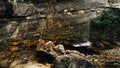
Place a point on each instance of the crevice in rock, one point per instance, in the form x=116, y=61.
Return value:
x=8, y=8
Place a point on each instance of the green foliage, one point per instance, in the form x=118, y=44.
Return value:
x=108, y=24
x=3, y=47
x=86, y=30
x=31, y=36
x=1, y=43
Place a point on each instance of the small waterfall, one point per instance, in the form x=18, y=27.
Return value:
x=86, y=43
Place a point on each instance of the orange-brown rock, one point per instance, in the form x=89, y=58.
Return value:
x=47, y=46
x=13, y=48
x=34, y=42
x=5, y=54
x=40, y=43
x=15, y=43
x=26, y=42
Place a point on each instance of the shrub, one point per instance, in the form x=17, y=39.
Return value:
x=108, y=24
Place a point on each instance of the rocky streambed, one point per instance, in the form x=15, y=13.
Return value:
x=21, y=53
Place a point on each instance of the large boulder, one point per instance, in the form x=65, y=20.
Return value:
x=72, y=61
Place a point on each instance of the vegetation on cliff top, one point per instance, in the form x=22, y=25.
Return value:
x=107, y=26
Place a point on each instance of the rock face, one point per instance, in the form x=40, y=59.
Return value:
x=50, y=20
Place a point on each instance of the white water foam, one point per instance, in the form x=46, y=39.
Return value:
x=87, y=43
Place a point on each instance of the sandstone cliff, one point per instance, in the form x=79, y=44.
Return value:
x=50, y=19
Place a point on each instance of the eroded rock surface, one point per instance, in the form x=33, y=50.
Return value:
x=50, y=20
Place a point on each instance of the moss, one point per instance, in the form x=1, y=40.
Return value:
x=1, y=43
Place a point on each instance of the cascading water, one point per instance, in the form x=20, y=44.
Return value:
x=85, y=31
x=86, y=43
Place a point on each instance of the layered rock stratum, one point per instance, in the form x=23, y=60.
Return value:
x=49, y=18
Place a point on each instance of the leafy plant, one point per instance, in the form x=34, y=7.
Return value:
x=108, y=24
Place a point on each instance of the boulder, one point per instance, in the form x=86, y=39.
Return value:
x=72, y=61
x=51, y=49
x=59, y=49
x=47, y=52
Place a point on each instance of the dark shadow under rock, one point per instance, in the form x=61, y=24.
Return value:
x=83, y=49
x=44, y=57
